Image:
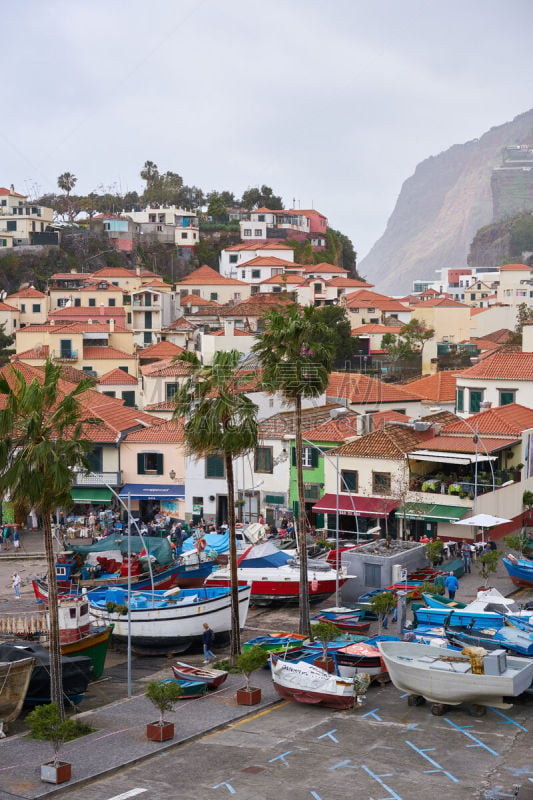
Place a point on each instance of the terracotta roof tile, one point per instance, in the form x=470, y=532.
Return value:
x=513, y=267
x=181, y=324
x=165, y=368
x=334, y=430
x=118, y=377
x=101, y=314
x=195, y=300
x=439, y=388
x=258, y=245
x=441, y=302
x=6, y=307
x=115, y=272
x=392, y=441
x=381, y=418
x=504, y=364
x=348, y=283
x=29, y=292
x=511, y=419
x=99, y=353
x=170, y=432
x=284, y=422
x=373, y=327
x=32, y=353
x=235, y=332
x=206, y=276
x=466, y=444
x=160, y=350
x=364, y=298
x=285, y=278
x=326, y=268
x=267, y=261
x=357, y=388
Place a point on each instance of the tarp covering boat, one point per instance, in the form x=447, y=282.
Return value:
x=159, y=548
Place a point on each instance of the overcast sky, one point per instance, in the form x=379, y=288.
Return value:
x=332, y=103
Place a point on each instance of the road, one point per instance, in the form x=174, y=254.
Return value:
x=385, y=750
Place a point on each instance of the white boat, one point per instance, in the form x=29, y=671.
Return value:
x=275, y=575
x=168, y=621
x=305, y=683
x=447, y=678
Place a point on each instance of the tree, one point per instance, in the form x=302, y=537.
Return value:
x=66, y=182
x=339, y=331
x=217, y=208
x=381, y=604
x=255, y=197
x=219, y=420
x=296, y=358
x=415, y=334
x=150, y=173
x=41, y=445
x=524, y=314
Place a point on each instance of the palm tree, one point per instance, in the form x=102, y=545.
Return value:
x=41, y=444
x=296, y=353
x=66, y=182
x=220, y=420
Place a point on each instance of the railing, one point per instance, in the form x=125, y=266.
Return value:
x=463, y=487
x=98, y=478
x=64, y=355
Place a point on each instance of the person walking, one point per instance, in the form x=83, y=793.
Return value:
x=207, y=642
x=16, y=585
x=16, y=539
x=467, y=556
x=452, y=584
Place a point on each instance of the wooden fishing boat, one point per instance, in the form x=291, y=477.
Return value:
x=276, y=642
x=167, y=621
x=520, y=570
x=349, y=625
x=439, y=600
x=189, y=688
x=305, y=683
x=14, y=681
x=426, y=671
x=359, y=657
x=213, y=678
x=512, y=639
x=489, y=609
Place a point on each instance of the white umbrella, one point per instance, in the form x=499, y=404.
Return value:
x=482, y=521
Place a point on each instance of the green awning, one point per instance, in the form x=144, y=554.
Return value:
x=435, y=513
x=86, y=495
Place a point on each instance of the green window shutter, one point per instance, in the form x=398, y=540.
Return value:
x=506, y=398
x=293, y=456
x=295, y=508
x=460, y=399
x=314, y=458
x=475, y=401
x=159, y=463
x=140, y=463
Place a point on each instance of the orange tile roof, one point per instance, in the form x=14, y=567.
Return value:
x=501, y=336
x=170, y=432
x=374, y=327
x=512, y=267
x=357, y=388
x=235, y=332
x=475, y=311
x=29, y=292
x=284, y=422
x=323, y=266
x=3, y=190
x=99, y=353
x=165, y=405
x=504, y=364
x=115, y=272
x=439, y=388
x=32, y=353
x=268, y=261
x=381, y=418
x=348, y=283
x=511, y=419
x=117, y=376
x=484, y=344
x=6, y=307
x=466, y=444
x=165, y=369
x=441, y=302
x=364, y=298
x=334, y=430
x=391, y=442
x=285, y=278
x=160, y=350
x=195, y=300
x=102, y=314
x=100, y=286
x=258, y=245
x=206, y=276
x=181, y=324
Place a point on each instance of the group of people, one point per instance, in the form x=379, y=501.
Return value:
x=10, y=533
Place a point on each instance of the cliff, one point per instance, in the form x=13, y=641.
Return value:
x=440, y=208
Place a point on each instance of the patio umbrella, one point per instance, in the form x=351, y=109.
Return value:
x=482, y=521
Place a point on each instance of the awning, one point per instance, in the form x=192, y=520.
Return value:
x=156, y=491
x=449, y=458
x=99, y=494
x=434, y=513
x=355, y=506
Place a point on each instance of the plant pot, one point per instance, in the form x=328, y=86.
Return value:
x=56, y=773
x=248, y=697
x=328, y=665
x=160, y=733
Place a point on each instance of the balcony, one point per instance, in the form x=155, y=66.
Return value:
x=65, y=355
x=463, y=486
x=98, y=479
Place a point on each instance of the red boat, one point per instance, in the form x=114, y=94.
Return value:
x=213, y=678
x=345, y=624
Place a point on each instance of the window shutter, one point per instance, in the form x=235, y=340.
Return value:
x=293, y=456
x=159, y=463
x=314, y=458
x=140, y=463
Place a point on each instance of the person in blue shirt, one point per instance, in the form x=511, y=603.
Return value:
x=452, y=584
x=207, y=642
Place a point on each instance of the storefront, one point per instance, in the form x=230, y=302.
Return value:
x=358, y=514
x=431, y=519
x=149, y=499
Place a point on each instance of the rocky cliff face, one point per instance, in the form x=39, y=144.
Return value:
x=439, y=210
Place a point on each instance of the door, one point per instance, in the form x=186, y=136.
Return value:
x=222, y=508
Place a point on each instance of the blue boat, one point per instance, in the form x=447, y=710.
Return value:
x=520, y=570
x=516, y=641
x=490, y=609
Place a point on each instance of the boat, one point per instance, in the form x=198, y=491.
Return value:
x=520, y=570
x=213, y=678
x=75, y=671
x=424, y=671
x=189, y=689
x=359, y=657
x=305, y=683
x=106, y=563
x=489, y=609
x=274, y=575
x=168, y=621
x=350, y=625
x=14, y=681
x=512, y=639
x=278, y=642
x=439, y=600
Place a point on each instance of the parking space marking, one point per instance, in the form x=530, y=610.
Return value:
x=228, y=786
x=373, y=715
x=509, y=720
x=438, y=767
x=329, y=734
x=281, y=758
x=478, y=742
x=393, y=795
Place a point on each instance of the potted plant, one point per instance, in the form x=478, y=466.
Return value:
x=434, y=552
x=163, y=695
x=47, y=723
x=487, y=563
x=324, y=632
x=246, y=663
x=381, y=604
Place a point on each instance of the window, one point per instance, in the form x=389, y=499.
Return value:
x=88, y=370
x=92, y=302
x=318, y=288
x=184, y=235
x=507, y=396
x=233, y=258
x=129, y=400
x=147, y=337
x=77, y=302
x=373, y=575
x=150, y=463
x=95, y=460
x=129, y=317
x=36, y=308
x=348, y=481
x=213, y=296
x=312, y=491
x=246, y=231
x=472, y=296
x=256, y=273
x=264, y=461
x=309, y=457
x=65, y=348
x=258, y=232
x=110, y=394
x=125, y=369
x=260, y=217
x=170, y=390
x=23, y=307
x=11, y=225
x=214, y=467
x=111, y=301
x=476, y=397
x=381, y=482
x=460, y=402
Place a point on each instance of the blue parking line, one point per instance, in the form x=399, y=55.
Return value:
x=329, y=734
x=509, y=720
x=228, y=786
x=393, y=795
x=281, y=758
x=478, y=742
x=438, y=767
x=372, y=714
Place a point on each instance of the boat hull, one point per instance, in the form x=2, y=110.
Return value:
x=520, y=571
x=14, y=679
x=176, y=626
x=438, y=683
x=94, y=645
x=213, y=678
x=280, y=589
x=305, y=683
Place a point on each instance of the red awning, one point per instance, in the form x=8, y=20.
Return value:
x=356, y=506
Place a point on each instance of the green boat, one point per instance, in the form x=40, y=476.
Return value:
x=189, y=688
x=94, y=645
x=439, y=600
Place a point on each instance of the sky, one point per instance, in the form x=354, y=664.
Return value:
x=332, y=103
